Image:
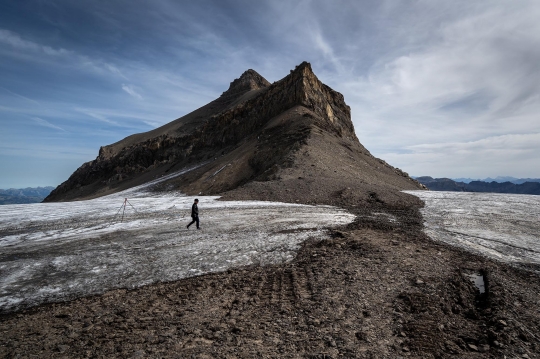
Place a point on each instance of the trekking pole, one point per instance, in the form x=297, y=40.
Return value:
x=119, y=210
x=124, y=211
x=123, y=206
x=131, y=205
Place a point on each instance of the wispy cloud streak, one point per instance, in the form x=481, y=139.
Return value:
x=46, y=123
x=12, y=39
x=130, y=90
x=20, y=96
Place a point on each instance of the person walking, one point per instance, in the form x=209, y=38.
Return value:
x=194, y=214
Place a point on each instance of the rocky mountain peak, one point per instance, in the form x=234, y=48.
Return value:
x=311, y=93
x=252, y=132
x=249, y=80
x=304, y=69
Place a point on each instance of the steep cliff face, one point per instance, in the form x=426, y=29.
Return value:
x=251, y=133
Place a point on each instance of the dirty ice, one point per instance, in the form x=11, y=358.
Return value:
x=59, y=251
x=502, y=226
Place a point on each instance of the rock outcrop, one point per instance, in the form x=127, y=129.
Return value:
x=253, y=132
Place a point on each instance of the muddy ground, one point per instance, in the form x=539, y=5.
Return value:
x=378, y=289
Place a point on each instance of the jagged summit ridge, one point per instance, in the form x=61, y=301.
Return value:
x=324, y=101
x=249, y=80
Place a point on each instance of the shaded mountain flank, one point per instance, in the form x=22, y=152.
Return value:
x=24, y=195
x=257, y=140
x=446, y=184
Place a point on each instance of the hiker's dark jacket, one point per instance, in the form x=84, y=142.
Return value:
x=194, y=210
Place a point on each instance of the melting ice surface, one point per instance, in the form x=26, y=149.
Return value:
x=502, y=226
x=59, y=251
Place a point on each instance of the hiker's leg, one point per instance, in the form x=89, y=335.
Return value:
x=197, y=219
x=193, y=222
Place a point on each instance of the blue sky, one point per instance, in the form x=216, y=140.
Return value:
x=440, y=88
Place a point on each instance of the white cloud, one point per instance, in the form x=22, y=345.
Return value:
x=473, y=86
x=475, y=54
x=131, y=90
x=95, y=115
x=26, y=50
x=510, y=154
x=14, y=40
x=504, y=142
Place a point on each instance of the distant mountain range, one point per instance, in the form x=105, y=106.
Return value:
x=499, y=179
x=447, y=184
x=24, y=195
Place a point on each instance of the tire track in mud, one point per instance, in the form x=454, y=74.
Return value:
x=300, y=283
x=286, y=294
x=285, y=288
